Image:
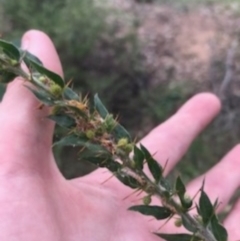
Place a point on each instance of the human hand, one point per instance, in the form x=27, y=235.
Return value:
x=37, y=203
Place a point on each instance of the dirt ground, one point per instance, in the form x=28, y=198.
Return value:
x=187, y=45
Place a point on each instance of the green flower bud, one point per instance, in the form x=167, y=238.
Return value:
x=147, y=200
x=187, y=201
x=199, y=219
x=55, y=90
x=13, y=62
x=122, y=142
x=90, y=134
x=128, y=147
x=178, y=222
x=42, y=79
x=187, y=198
x=109, y=123
x=124, y=145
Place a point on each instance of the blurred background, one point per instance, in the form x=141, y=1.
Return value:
x=144, y=58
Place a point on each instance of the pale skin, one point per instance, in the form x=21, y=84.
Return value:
x=37, y=203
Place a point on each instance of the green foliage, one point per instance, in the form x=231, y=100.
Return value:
x=119, y=131
x=179, y=237
x=181, y=192
x=41, y=95
x=100, y=107
x=153, y=166
x=206, y=209
x=63, y=120
x=45, y=72
x=10, y=50
x=138, y=157
x=155, y=211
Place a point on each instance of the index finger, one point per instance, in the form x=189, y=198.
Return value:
x=170, y=140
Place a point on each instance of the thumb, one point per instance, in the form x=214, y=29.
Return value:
x=24, y=126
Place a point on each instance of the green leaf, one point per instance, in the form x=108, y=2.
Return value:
x=215, y=205
x=119, y=131
x=97, y=155
x=28, y=58
x=72, y=140
x=127, y=180
x=188, y=225
x=165, y=188
x=51, y=75
x=16, y=42
x=180, y=188
x=178, y=237
x=155, y=169
x=206, y=208
x=218, y=230
x=42, y=96
x=153, y=166
x=10, y=49
x=2, y=90
x=145, y=152
x=93, y=153
x=63, y=120
x=101, y=109
x=165, y=184
x=155, y=211
x=138, y=157
x=6, y=76
x=113, y=166
x=69, y=94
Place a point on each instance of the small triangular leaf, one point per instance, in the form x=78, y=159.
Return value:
x=153, y=166
x=127, y=180
x=97, y=155
x=165, y=184
x=180, y=187
x=138, y=157
x=145, y=151
x=69, y=94
x=206, y=208
x=156, y=211
x=181, y=190
x=101, y=109
x=6, y=76
x=63, y=120
x=113, y=166
x=155, y=169
x=51, y=75
x=189, y=226
x=72, y=140
x=28, y=58
x=10, y=49
x=2, y=90
x=178, y=237
x=120, y=132
x=218, y=230
x=42, y=96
